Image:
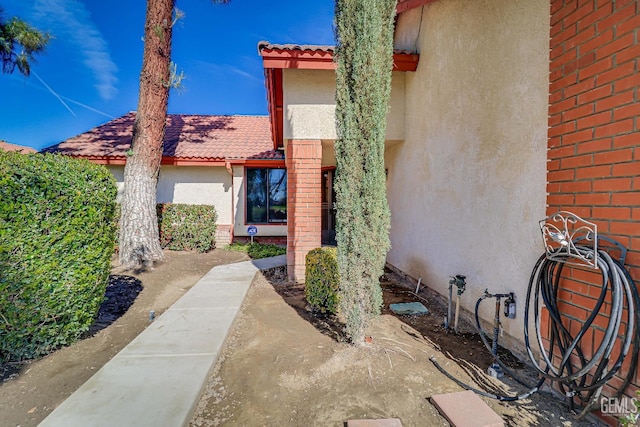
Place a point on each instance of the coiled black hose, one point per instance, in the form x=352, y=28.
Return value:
x=581, y=375
x=586, y=381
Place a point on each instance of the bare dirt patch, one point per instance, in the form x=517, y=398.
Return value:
x=30, y=391
x=285, y=366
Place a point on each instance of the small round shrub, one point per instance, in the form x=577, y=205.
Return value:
x=56, y=242
x=322, y=280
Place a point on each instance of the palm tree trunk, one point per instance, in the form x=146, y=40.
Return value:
x=139, y=240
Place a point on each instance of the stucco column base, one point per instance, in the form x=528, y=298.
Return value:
x=303, y=160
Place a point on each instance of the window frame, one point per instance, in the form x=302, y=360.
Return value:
x=246, y=194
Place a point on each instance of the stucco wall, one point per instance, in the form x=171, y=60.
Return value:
x=467, y=186
x=240, y=226
x=118, y=174
x=202, y=185
x=309, y=105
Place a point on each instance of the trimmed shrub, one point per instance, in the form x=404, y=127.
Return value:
x=56, y=243
x=187, y=227
x=257, y=250
x=322, y=280
x=265, y=250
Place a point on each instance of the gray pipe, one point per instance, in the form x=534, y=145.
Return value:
x=448, y=320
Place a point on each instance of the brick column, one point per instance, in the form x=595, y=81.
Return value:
x=303, y=160
x=594, y=139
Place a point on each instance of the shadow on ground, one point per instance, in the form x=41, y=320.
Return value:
x=120, y=294
x=468, y=356
x=293, y=294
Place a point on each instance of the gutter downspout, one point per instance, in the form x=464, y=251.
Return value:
x=229, y=168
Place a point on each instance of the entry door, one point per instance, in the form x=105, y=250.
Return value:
x=328, y=208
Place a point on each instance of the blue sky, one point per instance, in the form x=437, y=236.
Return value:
x=89, y=73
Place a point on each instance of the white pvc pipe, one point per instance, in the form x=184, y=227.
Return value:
x=455, y=325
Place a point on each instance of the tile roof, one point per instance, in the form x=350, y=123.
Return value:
x=313, y=48
x=6, y=146
x=187, y=137
x=292, y=46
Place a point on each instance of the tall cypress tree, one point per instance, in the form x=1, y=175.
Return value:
x=364, y=56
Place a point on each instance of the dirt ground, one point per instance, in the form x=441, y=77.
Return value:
x=29, y=392
x=284, y=366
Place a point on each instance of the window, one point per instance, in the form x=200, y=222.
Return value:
x=266, y=196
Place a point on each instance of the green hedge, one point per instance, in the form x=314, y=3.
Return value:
x=322, y=280
x=183, y=227
x=257, y=250
x=56, y=243
x=187, y=227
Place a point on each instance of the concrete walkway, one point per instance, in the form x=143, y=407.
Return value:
x=157, y=379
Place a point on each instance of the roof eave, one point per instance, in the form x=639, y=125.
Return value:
x=183, y=161
x=276, y=59
x=323, y=60
x=299, y=59
x=275, y=103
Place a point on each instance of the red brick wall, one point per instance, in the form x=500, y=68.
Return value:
x=223, y=234
x=594, y=130
x=303, y=160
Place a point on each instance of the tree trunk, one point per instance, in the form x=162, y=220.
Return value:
x=139, y=240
